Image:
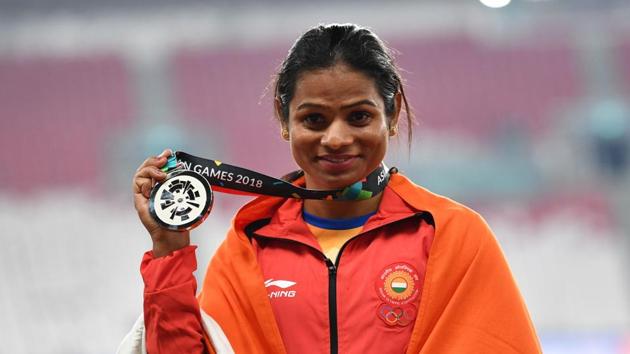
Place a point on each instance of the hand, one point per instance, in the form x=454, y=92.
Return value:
x=147, y=175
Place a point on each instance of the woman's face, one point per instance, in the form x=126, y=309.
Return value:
x=337, y=126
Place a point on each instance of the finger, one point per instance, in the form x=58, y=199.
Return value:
x=151, y=172
x=143, y=186
x=138, y=183
x=158, y=161
x=146, y=189
x=145, y=180
x=166, y=153
x=152, y=161
x=163, y=157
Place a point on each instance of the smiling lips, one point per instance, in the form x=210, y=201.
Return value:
x=336, y=163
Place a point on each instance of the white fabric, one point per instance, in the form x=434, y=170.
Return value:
x=219, y=341
x=135, y=341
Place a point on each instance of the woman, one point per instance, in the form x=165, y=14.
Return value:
x=403, y=271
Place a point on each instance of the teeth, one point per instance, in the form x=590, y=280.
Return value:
x=333, y=159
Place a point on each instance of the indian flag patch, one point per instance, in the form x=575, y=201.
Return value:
x=398, y=284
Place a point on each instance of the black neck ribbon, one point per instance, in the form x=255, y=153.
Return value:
x=237, y=180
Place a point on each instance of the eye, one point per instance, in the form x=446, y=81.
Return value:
x=314, y=120
x=359, y=117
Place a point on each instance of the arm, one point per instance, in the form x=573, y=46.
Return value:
x=171, y=312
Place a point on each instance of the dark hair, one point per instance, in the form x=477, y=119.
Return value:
x=326, y=45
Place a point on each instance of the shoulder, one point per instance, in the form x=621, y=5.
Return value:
x=441, y=207
x=458, y=228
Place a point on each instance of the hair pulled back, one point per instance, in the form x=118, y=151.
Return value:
x=327, y=45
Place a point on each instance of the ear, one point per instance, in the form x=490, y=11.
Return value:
x=393, y=121
x=284, y=126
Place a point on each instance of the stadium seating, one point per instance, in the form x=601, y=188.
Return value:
x=55, y=115
x=623, y=64
x=472, y=88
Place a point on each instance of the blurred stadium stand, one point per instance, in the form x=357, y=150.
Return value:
x=64, y=109
x=493, y=85
x=623, y=64
x=225, y=90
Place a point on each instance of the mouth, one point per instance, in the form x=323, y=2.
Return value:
x=337, y=163
x=336, y=158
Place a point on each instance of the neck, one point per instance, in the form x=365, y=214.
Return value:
x=332, y=209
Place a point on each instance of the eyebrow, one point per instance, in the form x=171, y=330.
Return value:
x=316, y=105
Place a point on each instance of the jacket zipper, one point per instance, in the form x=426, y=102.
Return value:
x=332, y=305
x=332, y=294
x=332, y=298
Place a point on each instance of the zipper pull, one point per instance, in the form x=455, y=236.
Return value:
x=330, y=265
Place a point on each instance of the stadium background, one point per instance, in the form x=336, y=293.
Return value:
x=523, y=114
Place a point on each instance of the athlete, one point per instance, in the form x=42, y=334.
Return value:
x=404, y=271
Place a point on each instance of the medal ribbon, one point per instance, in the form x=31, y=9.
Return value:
x=237, y=180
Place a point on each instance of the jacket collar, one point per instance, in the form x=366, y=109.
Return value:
x=286, y=221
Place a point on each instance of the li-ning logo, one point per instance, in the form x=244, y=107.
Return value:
x=282, y=284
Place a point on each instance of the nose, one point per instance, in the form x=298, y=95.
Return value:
x=337, y=135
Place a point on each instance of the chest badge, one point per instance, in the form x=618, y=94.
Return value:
x=398, y=284
x=397, y=316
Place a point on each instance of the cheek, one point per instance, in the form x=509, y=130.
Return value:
x=378, y=136
x=301, y=143
x=378, y=144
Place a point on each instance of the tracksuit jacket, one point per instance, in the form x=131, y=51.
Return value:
x=425, y=275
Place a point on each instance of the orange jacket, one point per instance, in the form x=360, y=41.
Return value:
x=469, y=301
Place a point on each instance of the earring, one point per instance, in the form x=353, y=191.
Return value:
x=393, y=131
x=285, y=134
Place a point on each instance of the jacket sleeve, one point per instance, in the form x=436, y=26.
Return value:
x=172, y=317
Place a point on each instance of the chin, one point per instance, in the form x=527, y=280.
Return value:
x=334, y=181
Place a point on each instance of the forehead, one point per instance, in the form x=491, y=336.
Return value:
x=338, y=84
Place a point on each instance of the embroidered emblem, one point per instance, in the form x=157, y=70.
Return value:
x=398, y=284
x=397, y=316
